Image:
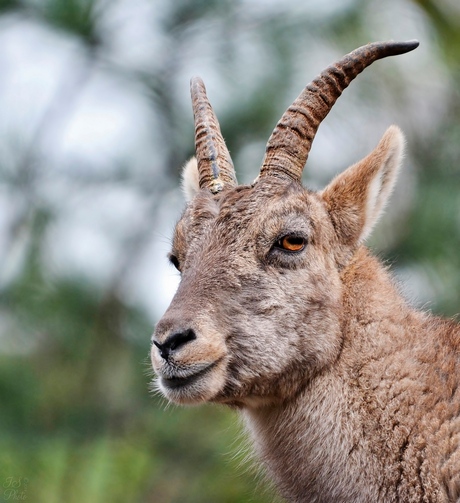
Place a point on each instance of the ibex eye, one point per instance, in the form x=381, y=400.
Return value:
x=291, y=243
x=174, y=261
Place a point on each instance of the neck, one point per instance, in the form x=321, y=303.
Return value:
x=304, y=443
x=317, y=443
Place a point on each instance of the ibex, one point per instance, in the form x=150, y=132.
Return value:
x=349, y=394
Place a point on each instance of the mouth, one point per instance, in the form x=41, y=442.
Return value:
x=175, y=382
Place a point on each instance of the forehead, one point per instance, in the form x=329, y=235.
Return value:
x=267, y=209
x=268, y=198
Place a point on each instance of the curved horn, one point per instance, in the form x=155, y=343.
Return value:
x=289, y=145
x=215, y=166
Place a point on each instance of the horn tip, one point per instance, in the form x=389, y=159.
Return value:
x=390, y=48
x=196, y=81
x=406, y=46
x=411, y=44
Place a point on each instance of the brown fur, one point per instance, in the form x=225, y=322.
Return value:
x=349, y=394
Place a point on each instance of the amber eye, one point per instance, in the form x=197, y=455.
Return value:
x=291, y=243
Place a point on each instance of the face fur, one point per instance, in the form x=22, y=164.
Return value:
x=257, y=312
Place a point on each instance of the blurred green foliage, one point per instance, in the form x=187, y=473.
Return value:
x=77, y=421
x=445, y=18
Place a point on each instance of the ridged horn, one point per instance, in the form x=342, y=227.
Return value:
x=215, y=166
x=289, y=145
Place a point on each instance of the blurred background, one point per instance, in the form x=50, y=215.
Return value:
x=95, y=123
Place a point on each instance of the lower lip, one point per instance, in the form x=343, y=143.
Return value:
x=179, y=382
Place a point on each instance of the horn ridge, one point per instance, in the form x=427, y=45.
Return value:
x=215, y=166
x=290, y=143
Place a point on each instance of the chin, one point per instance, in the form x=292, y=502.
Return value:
x=199, y=386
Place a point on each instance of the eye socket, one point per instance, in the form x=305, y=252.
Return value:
x=174, y=261
x=291, y=244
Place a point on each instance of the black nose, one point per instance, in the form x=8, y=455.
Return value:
x=174, y=341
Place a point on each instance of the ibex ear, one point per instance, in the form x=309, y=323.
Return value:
x=355, y=198
x=190, y=179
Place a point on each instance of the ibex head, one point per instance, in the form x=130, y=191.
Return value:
x=258, y=310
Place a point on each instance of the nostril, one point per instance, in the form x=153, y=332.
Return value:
x=179, y=339
x=175, y=341
x=164, y=353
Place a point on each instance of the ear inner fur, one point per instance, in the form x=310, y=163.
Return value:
x=190, y=179
x=355, y=199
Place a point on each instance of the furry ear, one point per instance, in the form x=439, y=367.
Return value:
x=355, y=198
x=190, y=179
